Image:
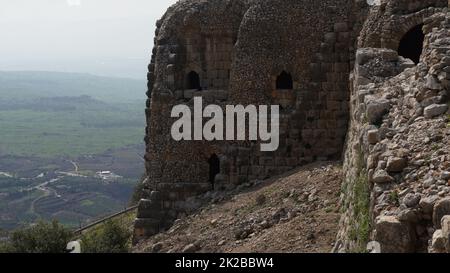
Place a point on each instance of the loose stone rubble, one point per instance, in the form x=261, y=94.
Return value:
x=399, y=141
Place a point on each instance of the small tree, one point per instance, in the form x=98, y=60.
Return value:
x=5, y=247
x=110, y=238
x=4, y=243
x=40, y=238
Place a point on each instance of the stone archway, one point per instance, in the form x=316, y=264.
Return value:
x=193, y=81
x=411, y=44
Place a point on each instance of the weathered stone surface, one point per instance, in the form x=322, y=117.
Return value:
x=445, y=223
x=149, y=209
x=396, y=164
x=438, y=242
x=402, y=99
x=373, y=137
x=441, y=209
x=394, y=236
x=408, y=215
x=427, y=204
x=376, y=109
x=411, y=200
x=144, y=228
x=435, y=110
x=432, y=83
x=382, y=177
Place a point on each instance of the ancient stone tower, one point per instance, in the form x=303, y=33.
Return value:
x=298, y=54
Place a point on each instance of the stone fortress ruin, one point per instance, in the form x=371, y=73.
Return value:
x=326, y=64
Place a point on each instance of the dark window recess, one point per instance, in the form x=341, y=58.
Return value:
x=214, y=168
x=289, y=150
x=193, y=81
x=284, y=81
x=411, y=45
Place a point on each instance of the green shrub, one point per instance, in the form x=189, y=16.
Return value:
x=362, y=225
x=394, y=198
x=40, y=238
x=5, y=247
x=109, y=238
x=361, y=221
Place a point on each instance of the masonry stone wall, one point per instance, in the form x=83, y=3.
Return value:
x=396, y=185
x=333, y=50
x=238, y=49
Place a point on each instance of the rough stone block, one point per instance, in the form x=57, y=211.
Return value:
x=438, y=242
x=382, y=177
x=441, y=209
x=373, y=137
x=394, y=236
x=435, y=110
x=396, y=164
x=445, y=223
x=376, y=109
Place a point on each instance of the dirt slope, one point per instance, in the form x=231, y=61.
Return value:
x=297, y=212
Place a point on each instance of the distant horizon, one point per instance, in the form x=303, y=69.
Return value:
x=117, y=68
x=73, y=73
x=110, y=38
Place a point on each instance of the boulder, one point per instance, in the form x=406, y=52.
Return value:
x=445, y=223
x=396, y=164
x=372, y=137
x=376, y=109
x=441, y=209
x=382, y=177
x=435, y=110
x=411, y=200
x=427, y=204
x=432, y=83
x=373, y=247
x=438, y=242
x=394, y=236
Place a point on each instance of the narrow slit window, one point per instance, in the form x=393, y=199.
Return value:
x=284, y=81
x=214, y=168
x=193, y=81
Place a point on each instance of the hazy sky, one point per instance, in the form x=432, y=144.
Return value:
x=104, y=37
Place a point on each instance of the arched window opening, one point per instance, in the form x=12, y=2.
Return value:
x=214, y=168
x=411, y=45
x=193, y=81
x=284, y=81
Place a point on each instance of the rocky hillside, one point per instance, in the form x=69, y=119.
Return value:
x=296, y=212
x=399, y=147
